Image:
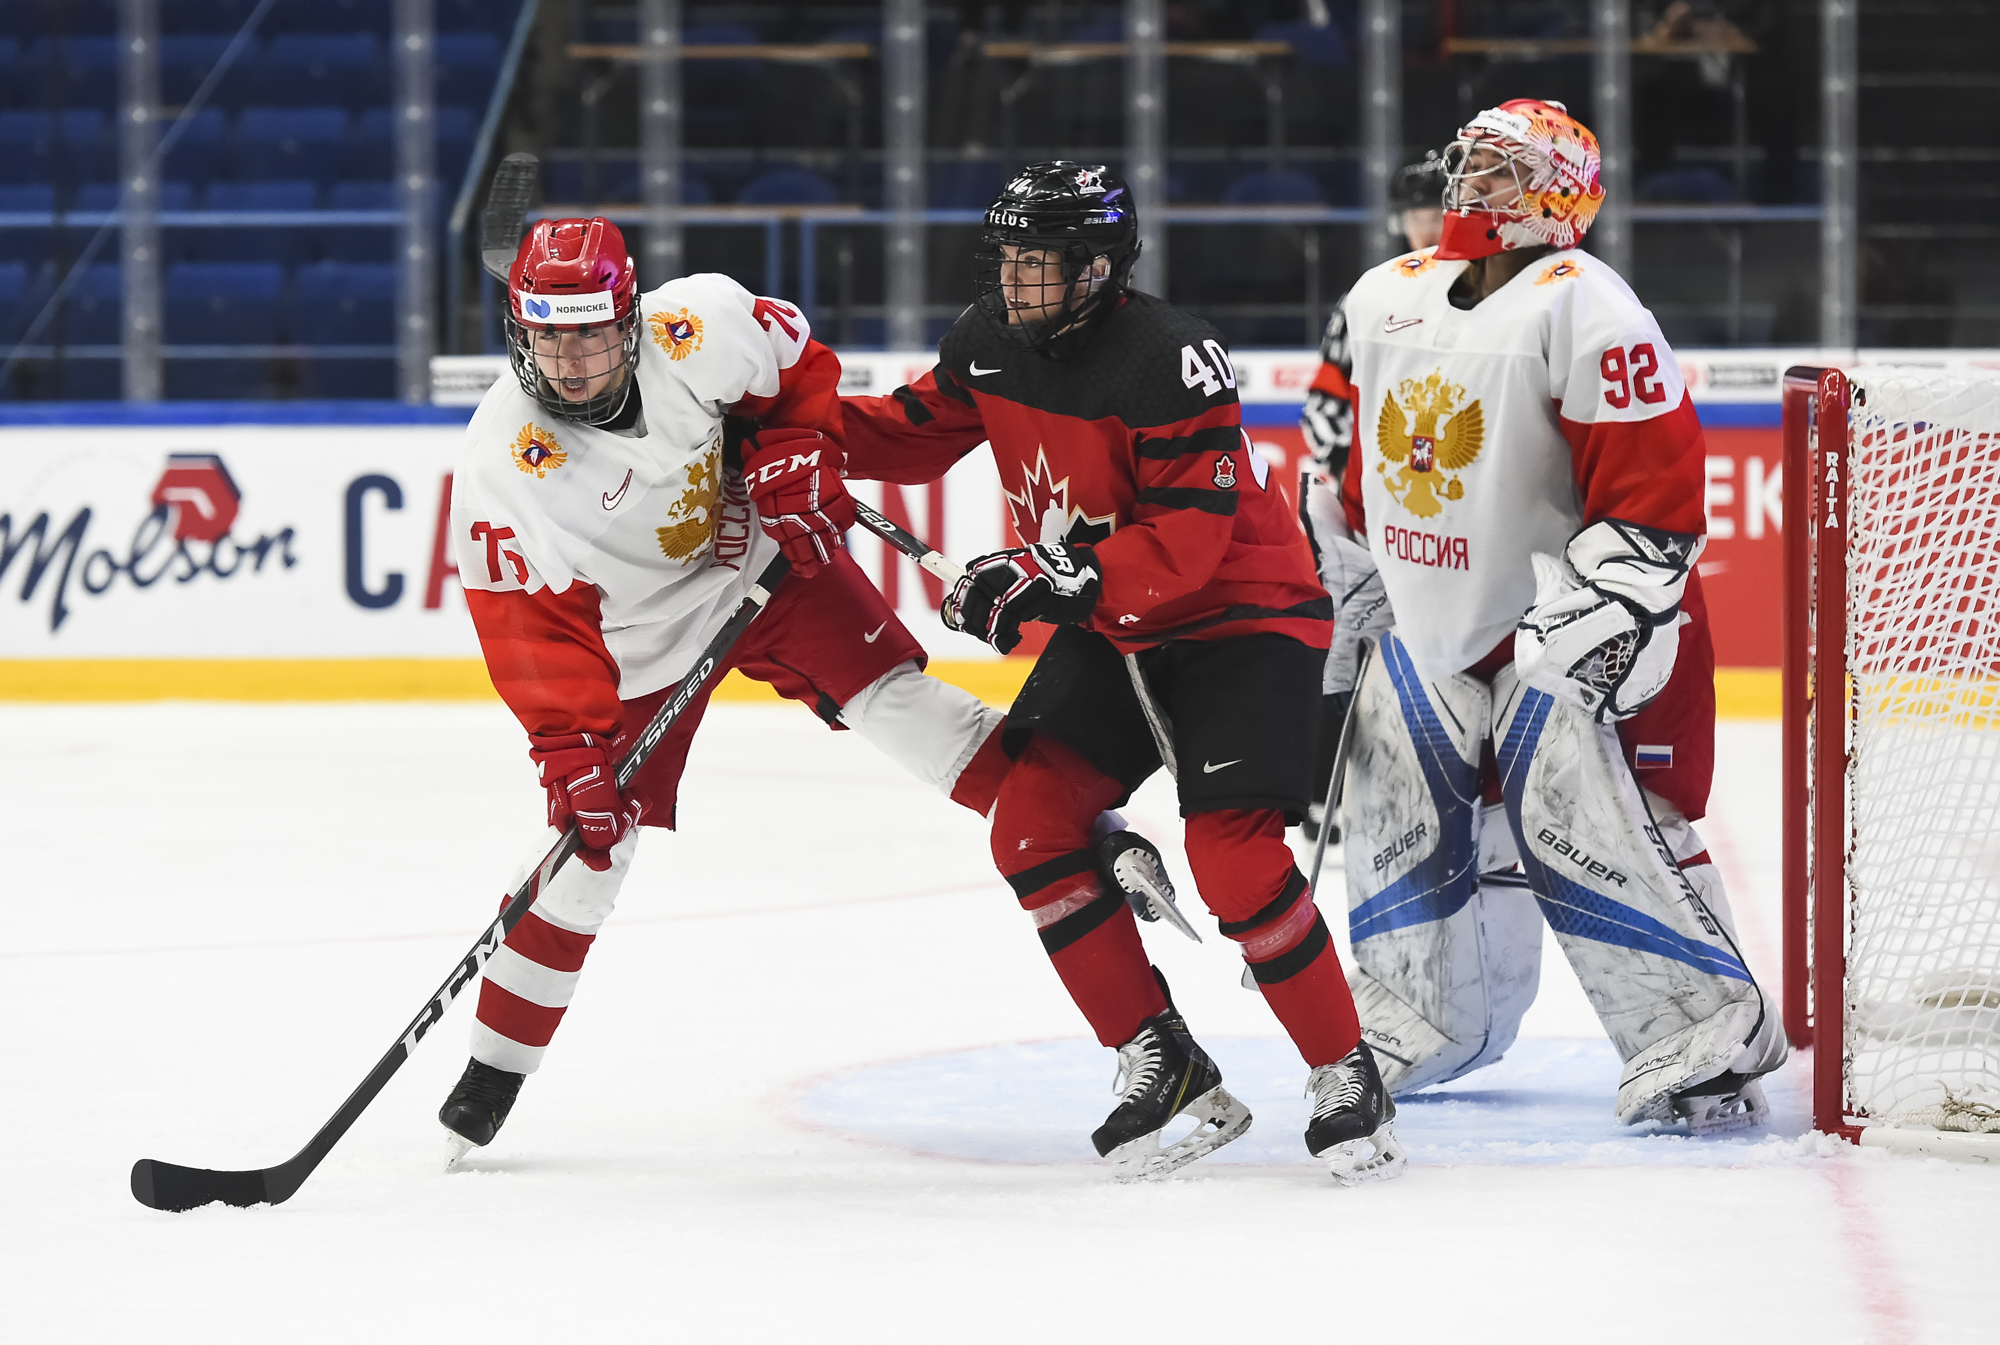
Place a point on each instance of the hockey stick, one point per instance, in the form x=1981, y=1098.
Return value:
x=1335, y=786
x=168, y=1186
x=506, y=215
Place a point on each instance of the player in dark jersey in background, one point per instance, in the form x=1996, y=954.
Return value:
x=1182, y=593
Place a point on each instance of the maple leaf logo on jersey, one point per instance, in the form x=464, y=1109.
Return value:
x=1562, y=270
x=1427, y=429
x=537, y=452
x=679, y=334
x=1415, y=264
x=693, y=515
x=1042, y=513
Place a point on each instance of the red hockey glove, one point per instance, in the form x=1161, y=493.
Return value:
x=794, y=476
x=582, y=784
x=1057, y=582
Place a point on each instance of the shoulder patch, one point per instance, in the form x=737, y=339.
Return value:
x=1415, y=264
x=679, y=334
x=537, y=452
x=1562, y=270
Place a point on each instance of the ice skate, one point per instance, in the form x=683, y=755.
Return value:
x=1725, y=1103
x=476, y=1109
x=1162, y=1073
x=1351, y=1129
x=1134, y=866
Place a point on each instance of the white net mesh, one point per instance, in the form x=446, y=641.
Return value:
x=1923, y=961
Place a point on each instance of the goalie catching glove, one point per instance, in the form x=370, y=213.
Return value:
x=1605, y=627
x=1056, y=582
x=582, y=783
x=794, y=476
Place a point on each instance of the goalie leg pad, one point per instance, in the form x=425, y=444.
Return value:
x=1650, y=939
x=527, y=985
x=1443, y=969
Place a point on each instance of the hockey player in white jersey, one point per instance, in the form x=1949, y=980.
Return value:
x=1535, y=739
x=602, y=534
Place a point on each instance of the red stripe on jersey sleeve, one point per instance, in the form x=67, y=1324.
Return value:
x=808, y=395
x=1643, y=471
x=545, y=652
x=1332, y=378
x=515, y=1018
x=915, y=434
x=548, y=945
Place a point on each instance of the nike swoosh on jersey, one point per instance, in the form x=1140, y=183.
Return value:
x=870, y=636
x=1392, y=323
x=610, y=500
x=978, y=372
x=1211, y=767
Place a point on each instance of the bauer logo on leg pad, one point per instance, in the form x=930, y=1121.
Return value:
x=1563, y=846
x=1401, y=845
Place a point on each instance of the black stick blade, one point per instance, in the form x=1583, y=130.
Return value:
x=168, y=1186
x=504, y=220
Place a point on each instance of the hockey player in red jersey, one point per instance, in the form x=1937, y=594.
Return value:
x=1527, y=475
x=603, y=531
x=1181, y=593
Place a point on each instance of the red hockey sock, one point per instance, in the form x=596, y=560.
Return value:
x=1041, y=845
x=1246, y=875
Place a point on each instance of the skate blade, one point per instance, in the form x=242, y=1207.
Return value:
x=1219, y=1118
x=456, y=1146
x=1724, y=1112
x=1372, y=1158
x=1159, y=903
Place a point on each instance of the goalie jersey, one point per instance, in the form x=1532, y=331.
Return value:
x=1482, y=436
x=597, y=562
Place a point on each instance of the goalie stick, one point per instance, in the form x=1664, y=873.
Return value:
x=1336, y=786
x=169, y=1186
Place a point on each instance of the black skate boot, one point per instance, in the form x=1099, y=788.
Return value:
x=477, y=1108
x=1133, y=866
x=1162, y=1073
x=1350, y=1128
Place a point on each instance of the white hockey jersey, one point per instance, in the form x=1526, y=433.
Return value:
x=1485, y=435
x=647, y=516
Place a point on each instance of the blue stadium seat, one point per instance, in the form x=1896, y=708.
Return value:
x=60, y=147
x=1274, y=186
x=317, y=69
x=290, y=142
x=270, y=243
x=331, y=16
x=457, y=128
x=34, y=244
x=104, y=195
x=360, y=243
x=345, y=304
x=223, y=303
x=966, y=185
x=788, y=186
x=1691, y=183
x=186, y=60
x=90, y=314
x=23, y=290
x=368, y=151
x=196, y=156
x=1320, y=48
x=467, y=64
x=73, y=71
x=12, y=88
x=205, y=16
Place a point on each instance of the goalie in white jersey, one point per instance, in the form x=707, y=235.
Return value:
x=1536, y=736
x=603, y=532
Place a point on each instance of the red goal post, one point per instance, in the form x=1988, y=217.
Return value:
x=1891, y=746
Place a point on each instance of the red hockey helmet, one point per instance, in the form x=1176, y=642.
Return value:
x=1520, y=175
x=573, y=318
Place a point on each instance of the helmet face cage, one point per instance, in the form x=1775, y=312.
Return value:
x=1041, y=278
x=537, y=351
x=1495, y=186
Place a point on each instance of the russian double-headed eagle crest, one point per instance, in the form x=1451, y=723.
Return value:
x=679, y=334
x=692, y=516
x=537, y=453
x=1426, y=431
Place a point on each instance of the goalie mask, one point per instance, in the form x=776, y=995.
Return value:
x=1520, y=175
x=1057, y=252
x=573, y=318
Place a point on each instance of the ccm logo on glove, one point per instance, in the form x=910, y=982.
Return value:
x=582, y=784
x=802, y=504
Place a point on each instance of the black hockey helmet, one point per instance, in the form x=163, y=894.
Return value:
x=1080, y=212
x=1417, y=185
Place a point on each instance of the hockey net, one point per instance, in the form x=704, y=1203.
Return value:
x=1894, y=593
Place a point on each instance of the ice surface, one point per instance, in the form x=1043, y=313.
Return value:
x=818, y=1083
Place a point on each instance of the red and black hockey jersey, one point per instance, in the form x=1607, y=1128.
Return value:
x=1134, y=444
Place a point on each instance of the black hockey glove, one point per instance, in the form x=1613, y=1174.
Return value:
x=1057, y=582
